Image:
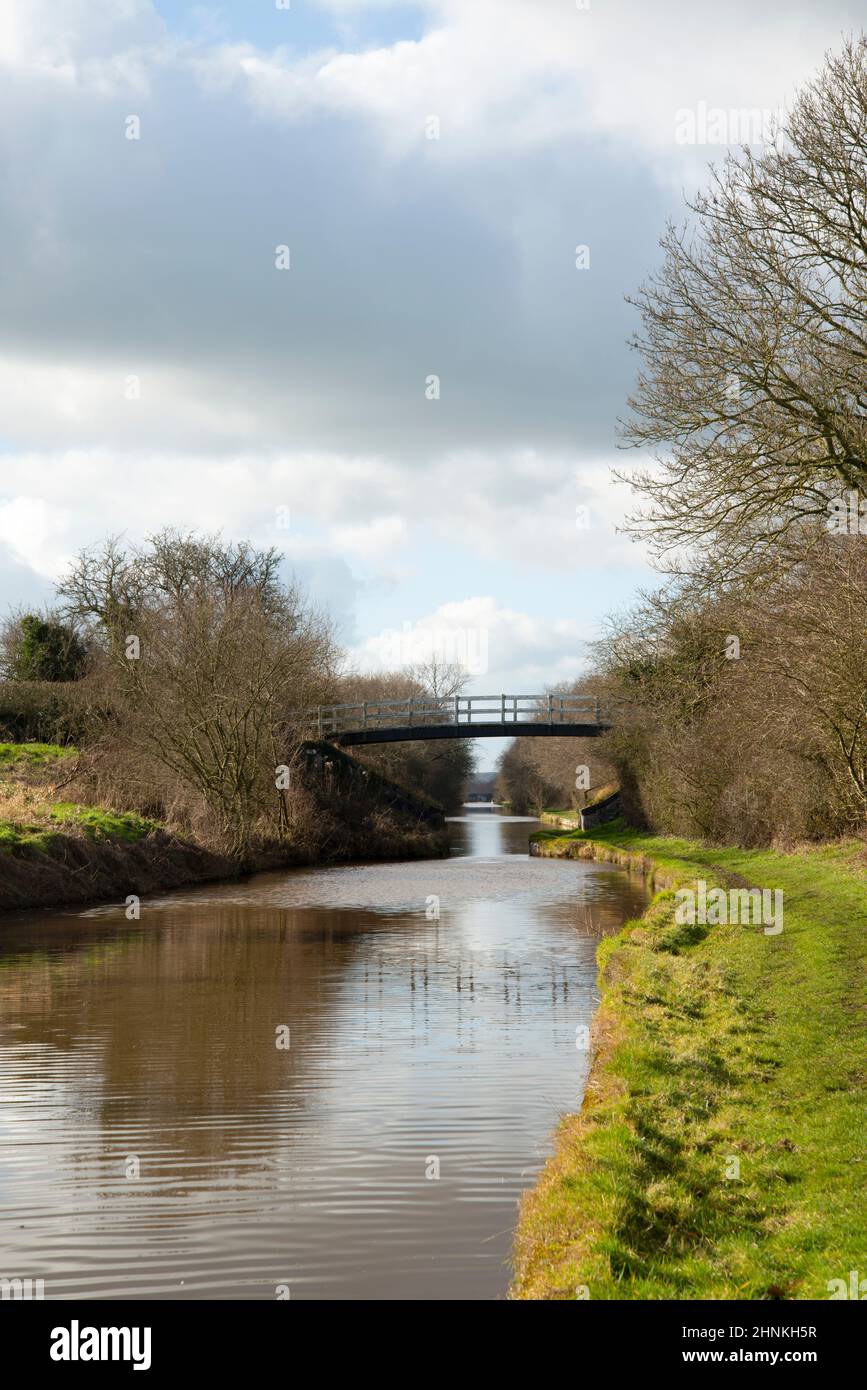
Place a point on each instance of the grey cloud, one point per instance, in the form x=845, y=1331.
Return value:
x=20, y=586
x=159, y=254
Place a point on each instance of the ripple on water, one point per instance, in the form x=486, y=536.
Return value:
x=155, y=1142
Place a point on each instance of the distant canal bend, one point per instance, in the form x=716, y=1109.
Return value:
x=158, y=1138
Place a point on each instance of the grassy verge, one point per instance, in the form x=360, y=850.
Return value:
x=61, y=816
x=31, y=815
x=54, y=850
x=719, y=1150
x=20, y=757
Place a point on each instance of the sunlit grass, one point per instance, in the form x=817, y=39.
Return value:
x=32, y=817
x=100, y=824
x=719, y=1048
x=20, y=756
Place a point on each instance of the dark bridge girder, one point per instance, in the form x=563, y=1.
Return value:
x=495, y=729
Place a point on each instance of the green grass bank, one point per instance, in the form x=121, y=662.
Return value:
x=719, y=1150
x=56, y=851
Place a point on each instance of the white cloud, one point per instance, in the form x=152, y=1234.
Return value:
x=377, y=537
x=499, y=73
x=33, y=534
x=500, y=646
x=550, y=512
x=81, y=41
x=509, y=74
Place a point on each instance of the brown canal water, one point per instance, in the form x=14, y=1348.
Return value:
x=155, y=1141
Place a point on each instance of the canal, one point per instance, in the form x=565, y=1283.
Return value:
x=325, y=1083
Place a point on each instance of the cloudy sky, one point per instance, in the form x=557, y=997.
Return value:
x=431, y=168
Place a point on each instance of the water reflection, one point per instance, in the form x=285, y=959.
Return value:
x=417, y=1044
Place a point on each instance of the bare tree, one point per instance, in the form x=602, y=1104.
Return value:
x=207, y=657
x=439, y=678
x=744, y=714
x=754, y=384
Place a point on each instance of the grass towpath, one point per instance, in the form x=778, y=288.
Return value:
x=720, y=1151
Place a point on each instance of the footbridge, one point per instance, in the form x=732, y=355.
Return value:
x=459, y=716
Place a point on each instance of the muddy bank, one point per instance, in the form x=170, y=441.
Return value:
x=557, y=847
x=75, y=869
x=62, y=853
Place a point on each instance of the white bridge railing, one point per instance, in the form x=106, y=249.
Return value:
x=328, y=720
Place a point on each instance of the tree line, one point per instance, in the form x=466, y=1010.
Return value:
x=186, y=664
x=744, y=677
